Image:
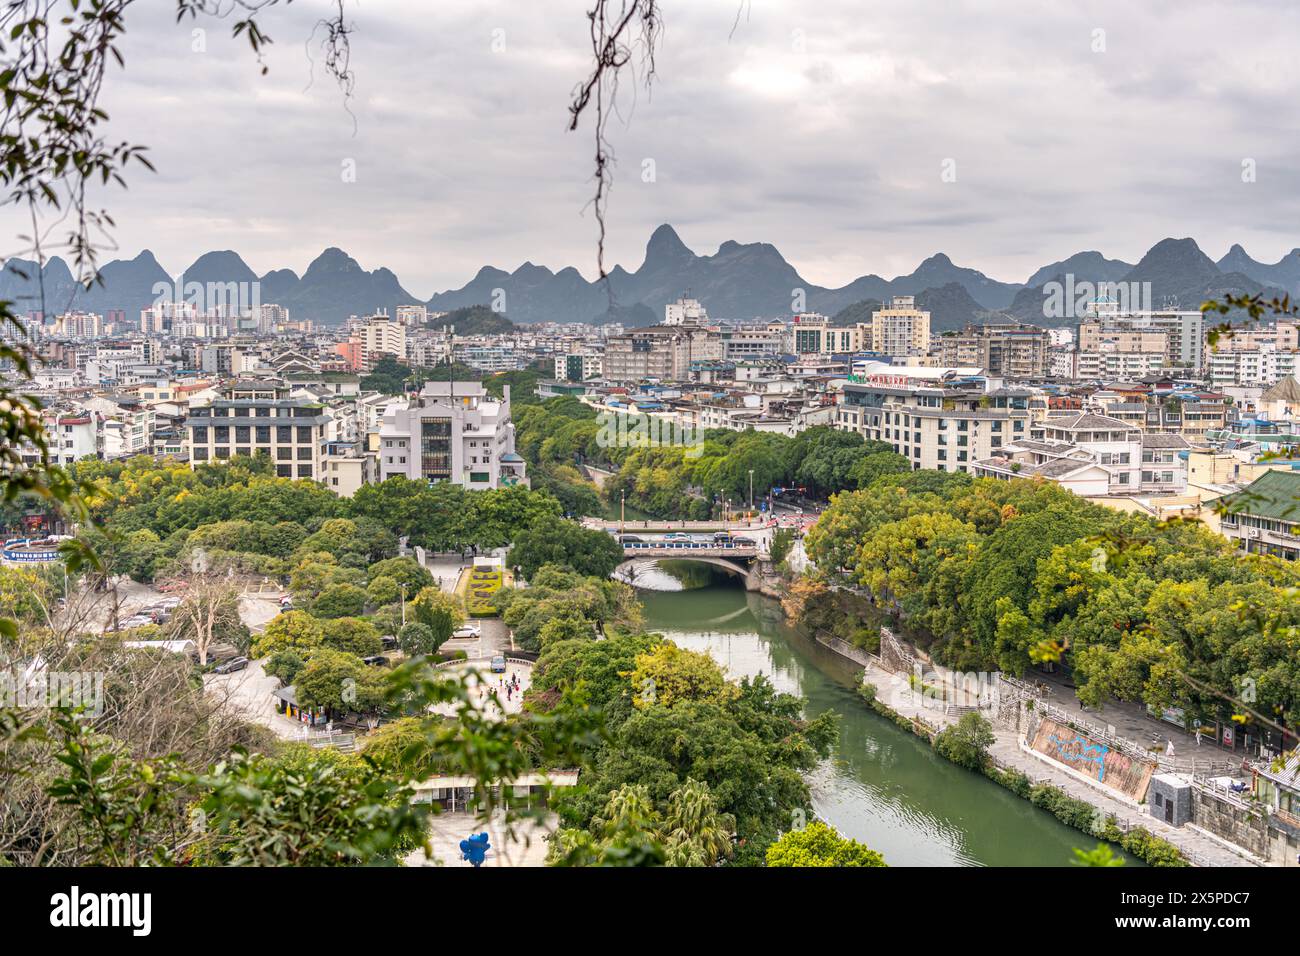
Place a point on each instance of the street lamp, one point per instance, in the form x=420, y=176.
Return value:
x=751, y=489
x=622, y=511
x=403, y=587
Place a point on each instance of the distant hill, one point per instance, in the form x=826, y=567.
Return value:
x=1084, y=266
x=1175, y=271
x=951, y=307
x=475, y=320
x=851, y=315
x=740, y=281
x=1283, y=274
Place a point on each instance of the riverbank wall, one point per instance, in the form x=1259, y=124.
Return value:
x=892, y=688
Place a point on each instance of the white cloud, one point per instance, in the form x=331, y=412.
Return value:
x=818, y=128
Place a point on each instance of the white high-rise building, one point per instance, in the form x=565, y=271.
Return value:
x=901, y=329
x=685, y=312
x=380, y=335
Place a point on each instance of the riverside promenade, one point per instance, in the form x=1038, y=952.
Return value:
x=1009, y=752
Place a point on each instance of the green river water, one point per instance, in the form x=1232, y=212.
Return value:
x=881, y=785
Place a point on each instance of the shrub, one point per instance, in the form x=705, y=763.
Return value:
x=967, y=742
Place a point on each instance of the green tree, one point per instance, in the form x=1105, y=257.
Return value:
x=567, y=544
x=354, y=635
x=440, y=612
x=338, y=681
x=403, y=570
x=967, y=742
x=339, y=600
x=417, y=639
x=291, y=629
x=818, y=845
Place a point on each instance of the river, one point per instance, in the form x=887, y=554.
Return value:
x=882, y=785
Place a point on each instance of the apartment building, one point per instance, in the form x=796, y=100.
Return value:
x=380, y=335
x=1259, y=366
x=1189, y=414
x=685, y=311
x=579, y=366
x=1011, y=351
x=292, y=432
x=663, y=352
x=900, y=329
x=814, y=335
x=1183, y=333
x=451, y=431
x=1109, y=361
x=744, y=343
x=937, y=418
x=1094, y=456
x=70, y=436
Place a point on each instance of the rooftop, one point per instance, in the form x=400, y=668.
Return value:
x=1274, y=494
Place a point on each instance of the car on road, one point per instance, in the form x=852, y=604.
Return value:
x=230, y=666
x=677, y=536
x=466, y=630
x=630, y=539
x=744, y=542
x=498, y=665
x=375, y=660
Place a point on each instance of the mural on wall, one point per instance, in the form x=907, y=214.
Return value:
x=1079, y=751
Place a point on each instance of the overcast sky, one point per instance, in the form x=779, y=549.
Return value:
x=822, y=128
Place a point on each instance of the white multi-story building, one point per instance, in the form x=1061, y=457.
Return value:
x=1183, y=332
x=452, y=431
x=900, y=329
x=380, y=335
x=937, y=418
x=292, y=432
x=1260, y=366
x=1094, y=456
x=70, y=435
x=743, y=343
x=814, y=335
x=579, y=366
x=1109, y=362
x=412, y=315
x=685, y=312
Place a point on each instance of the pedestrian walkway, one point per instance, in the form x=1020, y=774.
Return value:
x=1132, y=722
x=1202, y=850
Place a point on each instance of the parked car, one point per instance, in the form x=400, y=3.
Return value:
x=677, y=536
x=229, y=667
x=466, y=630
x=388, y=642
x=375, y=660
x=498, y=664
